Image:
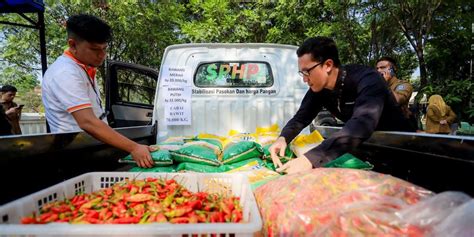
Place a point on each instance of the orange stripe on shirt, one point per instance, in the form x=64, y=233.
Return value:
x=79, y=107
x=91, y=71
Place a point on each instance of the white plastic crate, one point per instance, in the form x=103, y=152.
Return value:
x=234, y=184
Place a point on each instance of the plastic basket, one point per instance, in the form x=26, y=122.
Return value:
x=234, y=184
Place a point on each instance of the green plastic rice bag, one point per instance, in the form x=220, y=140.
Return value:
x=349, y=161
x=196, y=154
x=269, y=164
x=159, y=157
x=288, y=154
x=257, y=174
x=170, y=146
x=164, y=169
x=213, y=144
x=239, y=151
x=195, y=167
x=227, y=167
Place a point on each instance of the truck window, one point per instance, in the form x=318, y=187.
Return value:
x=135, y=87
x=234, y=74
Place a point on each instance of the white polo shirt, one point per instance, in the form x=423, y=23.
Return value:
x=66, y=88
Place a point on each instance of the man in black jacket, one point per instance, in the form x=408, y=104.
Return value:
x=355, y=94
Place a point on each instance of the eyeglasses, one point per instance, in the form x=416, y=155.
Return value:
x=307, y=71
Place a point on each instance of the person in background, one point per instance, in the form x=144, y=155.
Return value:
x=402, y=90
x=12, y=110
x=439, y=116
x=70, y=92
x=5, y=127
x=355, y=94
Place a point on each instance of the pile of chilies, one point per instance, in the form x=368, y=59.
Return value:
x=138, y=202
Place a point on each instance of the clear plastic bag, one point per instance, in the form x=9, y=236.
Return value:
x=337, y=202
x=434, y=210
x=459, y=223
x=445, y=214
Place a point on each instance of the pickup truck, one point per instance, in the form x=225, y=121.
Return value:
x=213, y=88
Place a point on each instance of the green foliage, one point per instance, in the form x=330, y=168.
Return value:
x=31, y=100
x=215, y=21
x=449, y=55
x=21, y=79
x=430, y=34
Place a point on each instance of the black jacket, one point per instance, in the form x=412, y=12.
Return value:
x=362, y=100
x=5, y=127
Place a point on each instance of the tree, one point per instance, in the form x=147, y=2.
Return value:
x=414, y=18
x=141, y=32
x=224, y=22
x=449, y=57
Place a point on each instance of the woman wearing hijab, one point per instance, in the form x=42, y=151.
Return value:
x=439, y=116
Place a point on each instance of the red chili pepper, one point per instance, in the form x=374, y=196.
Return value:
x=49, y=218
x=196, y=204
x=216, y=217
x=414, y=231
x=126, y=220
x=92, y=220
x=108, y=215
x=201, y=195
x=160, y=218
x=139, y=198
x=177, y=220
x=236, y=215
x=92, y=214
x=202, y=218
x=150, y=218
x=66, y=219
x=74, y=199
x=230, y=203
x=193, y=218
x=133, y=190
x=147, y=190
x=79, y=203
x=225, y=208
x=28, y=220
x=180, y=211
x=186, y=194
x=208, y=207
x=108, y=191
x=228, y=217
x=102, y=213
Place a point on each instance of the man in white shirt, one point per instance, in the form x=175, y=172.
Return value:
x=70, y=92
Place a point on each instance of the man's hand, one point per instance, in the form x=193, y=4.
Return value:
x=299, y=164
x=12, y=110
x=443, y=122
x=280, y=147
x=386, y=75
x=141, y=154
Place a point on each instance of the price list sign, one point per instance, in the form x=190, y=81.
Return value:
x=176, y=96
